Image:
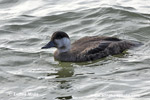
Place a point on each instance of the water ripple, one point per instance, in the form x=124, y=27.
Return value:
x=27, y=25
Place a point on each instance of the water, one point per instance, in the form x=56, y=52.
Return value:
x=29, y=73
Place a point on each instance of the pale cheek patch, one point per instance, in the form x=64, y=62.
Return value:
x=59, y=43
x=64, y=42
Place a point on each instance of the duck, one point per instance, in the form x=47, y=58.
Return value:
x=87, y=48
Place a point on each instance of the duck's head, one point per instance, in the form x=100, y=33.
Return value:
x=60, y=40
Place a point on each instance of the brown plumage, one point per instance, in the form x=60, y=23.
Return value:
x=91, y=48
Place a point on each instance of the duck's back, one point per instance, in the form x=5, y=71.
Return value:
x=94, y=43
x=91, y=48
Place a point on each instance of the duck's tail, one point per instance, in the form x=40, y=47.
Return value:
x=135, y=43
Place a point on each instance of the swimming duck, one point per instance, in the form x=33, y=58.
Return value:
x=87, y=48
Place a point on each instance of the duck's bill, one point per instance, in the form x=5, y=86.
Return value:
x=49, y=45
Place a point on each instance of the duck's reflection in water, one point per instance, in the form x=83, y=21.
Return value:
x=64, y=81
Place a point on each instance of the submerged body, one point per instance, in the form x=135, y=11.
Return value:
x=86, y=48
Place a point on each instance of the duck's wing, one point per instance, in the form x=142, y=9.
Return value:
x=91, y=48
x=104, y=49
x=98, y=48
x=92, y=43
